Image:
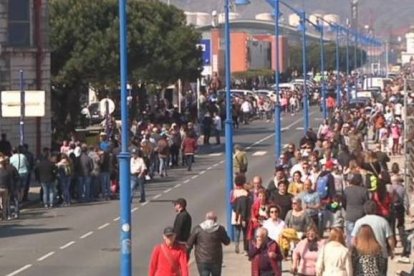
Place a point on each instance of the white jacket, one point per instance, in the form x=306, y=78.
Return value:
x=334, y=259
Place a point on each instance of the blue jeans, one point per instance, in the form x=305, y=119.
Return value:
x=84, y=188
x=65, y=184
x=189, y=161
x=163, y=166
x=349, y=226
x=138, y=181
x=206, y=269
x=105, y=184
x=48, y=193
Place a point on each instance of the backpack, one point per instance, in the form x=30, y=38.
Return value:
x=370, y=182
x=322, y=186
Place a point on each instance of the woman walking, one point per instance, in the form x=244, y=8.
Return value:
x=367, y=257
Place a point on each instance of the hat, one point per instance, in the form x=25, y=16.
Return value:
x=329, y=164
x=134, y=151
x=168, y=231
x=181, y=201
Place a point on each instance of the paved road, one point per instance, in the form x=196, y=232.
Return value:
x=84, y=239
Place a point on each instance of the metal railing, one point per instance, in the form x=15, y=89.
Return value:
x=408, y=137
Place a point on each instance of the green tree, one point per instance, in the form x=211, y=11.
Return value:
x=84, y=41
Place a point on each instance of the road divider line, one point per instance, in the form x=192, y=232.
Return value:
x=67, y=245
x=167, y=191
x=209, y=168
x=186, y=181
x=103, y=226
x=86, y=235
x=134, y=209
x=116, y=219
x=156, y=196
x=46, y=256
x=202, y=172
x=179, y=184
x=23, y=268
x=194, y=176
x=144, y=203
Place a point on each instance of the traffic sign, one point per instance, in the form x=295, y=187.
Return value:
x=34, y=103
x=104, y=103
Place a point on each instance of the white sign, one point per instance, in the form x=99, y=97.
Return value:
x=104, y=103
x=34, y=103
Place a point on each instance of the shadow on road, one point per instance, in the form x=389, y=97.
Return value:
x=14, y=230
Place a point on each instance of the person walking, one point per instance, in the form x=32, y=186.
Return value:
x=240, y=202
x=367, y=257
x=306, y=252
x=138, y=171
x=208, y=238
x=5, y=188
x=382, y=230
x=19, y=161
x=217, y=127
x=265, y=255
x=354, y=198
x=182, y=222
x=239, y=160
x=189, y=147
x=163, y=150
x=46, y=172
x=335, y=258
x=169, y=258
x=85, y=166
x=65, y=171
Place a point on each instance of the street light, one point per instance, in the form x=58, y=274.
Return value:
x=124, y=155
x=338, y=89
x=302, y=16
x=319, y=27
x=348, y=92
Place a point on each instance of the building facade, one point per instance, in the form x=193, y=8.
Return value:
x=24, y=46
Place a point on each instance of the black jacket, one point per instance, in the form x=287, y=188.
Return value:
x=208, y=237
x=182, y=226
x=46, y=171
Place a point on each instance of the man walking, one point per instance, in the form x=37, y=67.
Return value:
x=138, y=171
x=208, y=237
x=85, y=172
x=182, y=222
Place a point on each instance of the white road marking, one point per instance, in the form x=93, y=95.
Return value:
x=134, y=209
x=86, y=235
x=202, y=172
x=20, y=270
x=248, y=148
x=179, y=184
x=156, y=196
x=215, y=165
x=46, y=256
x=299, y=128
x=167, y=191
x=259, y=153
x=103, y=226
x=209, y=168
x=144, y=203
x=194, y=176
x=67, y=245
x=215, y=154
x=186, y=181
x=116, y=219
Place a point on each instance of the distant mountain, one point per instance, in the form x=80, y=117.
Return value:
x=387, y=16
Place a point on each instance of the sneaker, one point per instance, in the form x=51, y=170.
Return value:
x=404, y=260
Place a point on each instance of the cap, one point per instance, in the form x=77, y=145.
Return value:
x=180, y=201
x=168, y=231
x=329, y=164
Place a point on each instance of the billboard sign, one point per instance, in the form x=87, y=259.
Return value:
x=205, y=47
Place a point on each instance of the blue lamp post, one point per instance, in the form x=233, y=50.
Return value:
x=278, y=126
x=348, y=92
x=124, y=155
x=319, y=27
x=338, y=81
x=302, y=16
x=304, y=67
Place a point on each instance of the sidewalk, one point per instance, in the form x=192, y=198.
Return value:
x=238, y=264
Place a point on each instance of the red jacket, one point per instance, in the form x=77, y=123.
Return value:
x=172, y=262
x=189, y=145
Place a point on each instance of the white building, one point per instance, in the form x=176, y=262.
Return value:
x=408, y=55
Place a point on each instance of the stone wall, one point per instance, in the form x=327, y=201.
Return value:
x=12, y=60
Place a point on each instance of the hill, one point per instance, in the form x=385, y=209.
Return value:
x=387, y=16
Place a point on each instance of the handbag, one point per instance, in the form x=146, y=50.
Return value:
x=170, y=259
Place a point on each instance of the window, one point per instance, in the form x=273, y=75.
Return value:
x=19, y=23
